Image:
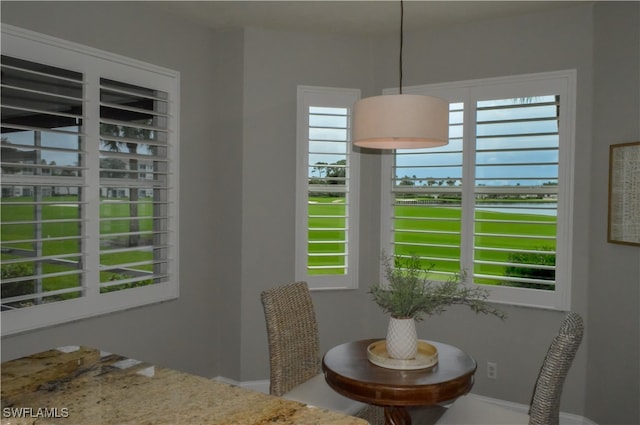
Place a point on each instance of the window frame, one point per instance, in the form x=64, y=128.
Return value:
x=562, y=83
x=95, y=64
x=325, y=97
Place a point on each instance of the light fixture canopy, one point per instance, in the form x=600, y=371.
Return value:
x=400, y=121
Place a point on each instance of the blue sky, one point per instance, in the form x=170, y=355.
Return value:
x=504, y=149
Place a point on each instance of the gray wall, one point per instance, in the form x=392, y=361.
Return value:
x=223, y=177
x=613, y=390
x=532, y=43
x=275, y=63
x=238, y=132
x=179, y=333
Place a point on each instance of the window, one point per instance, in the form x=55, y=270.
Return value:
x=327, y=189
x=495, y=202
x=89, y=171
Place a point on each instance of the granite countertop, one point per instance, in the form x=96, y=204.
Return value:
x=84, y=386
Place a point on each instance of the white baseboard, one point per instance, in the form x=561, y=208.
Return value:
x=565, y=418
x=260, y=385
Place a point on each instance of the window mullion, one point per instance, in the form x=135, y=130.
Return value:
x=468, y=184
x=91, y=163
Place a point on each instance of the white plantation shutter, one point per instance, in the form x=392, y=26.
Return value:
x=327, y=189
x=427, y=201
x=133, y=185
x=496, y=202
x=516, y=172
x=42, y=183
x=89, y=171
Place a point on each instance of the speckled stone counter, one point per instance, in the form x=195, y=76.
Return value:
x=83, y=386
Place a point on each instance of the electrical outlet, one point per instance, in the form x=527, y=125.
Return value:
x=492, y=370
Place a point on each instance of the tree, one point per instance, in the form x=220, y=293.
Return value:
x=339, y=171
x=320, y=167
x=406, y=181
x=15, y=155
x=110, y=164
x=127, y=132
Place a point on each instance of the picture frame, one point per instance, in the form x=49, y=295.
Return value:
x=624, y=194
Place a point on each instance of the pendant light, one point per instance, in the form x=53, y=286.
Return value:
x=401, y=121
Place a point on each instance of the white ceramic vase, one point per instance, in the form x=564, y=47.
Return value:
x=402, y=339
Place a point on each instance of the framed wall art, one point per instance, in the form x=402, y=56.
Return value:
x=624, y=194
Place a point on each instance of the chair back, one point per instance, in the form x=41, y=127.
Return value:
x=292, y=330
x=545, y=403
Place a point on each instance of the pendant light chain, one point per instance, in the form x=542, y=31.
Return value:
x=401, y=39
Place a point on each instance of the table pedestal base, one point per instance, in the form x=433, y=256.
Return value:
x=396, y=415
x=347, y=370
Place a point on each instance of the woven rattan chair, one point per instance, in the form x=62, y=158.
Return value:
x=294, y=353
x=545, y=403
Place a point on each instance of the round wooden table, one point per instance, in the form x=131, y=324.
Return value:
x=348, y=370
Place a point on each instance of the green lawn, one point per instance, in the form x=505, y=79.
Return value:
x=433, y=232
x=427, y=231
x=327, y=214
x=13, y=211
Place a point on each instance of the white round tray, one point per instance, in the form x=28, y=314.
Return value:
x=426, y=357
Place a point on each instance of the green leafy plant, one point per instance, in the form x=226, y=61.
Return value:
x=520, y=268
x=14, y=289
x=409, y=294
x=115, y=276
